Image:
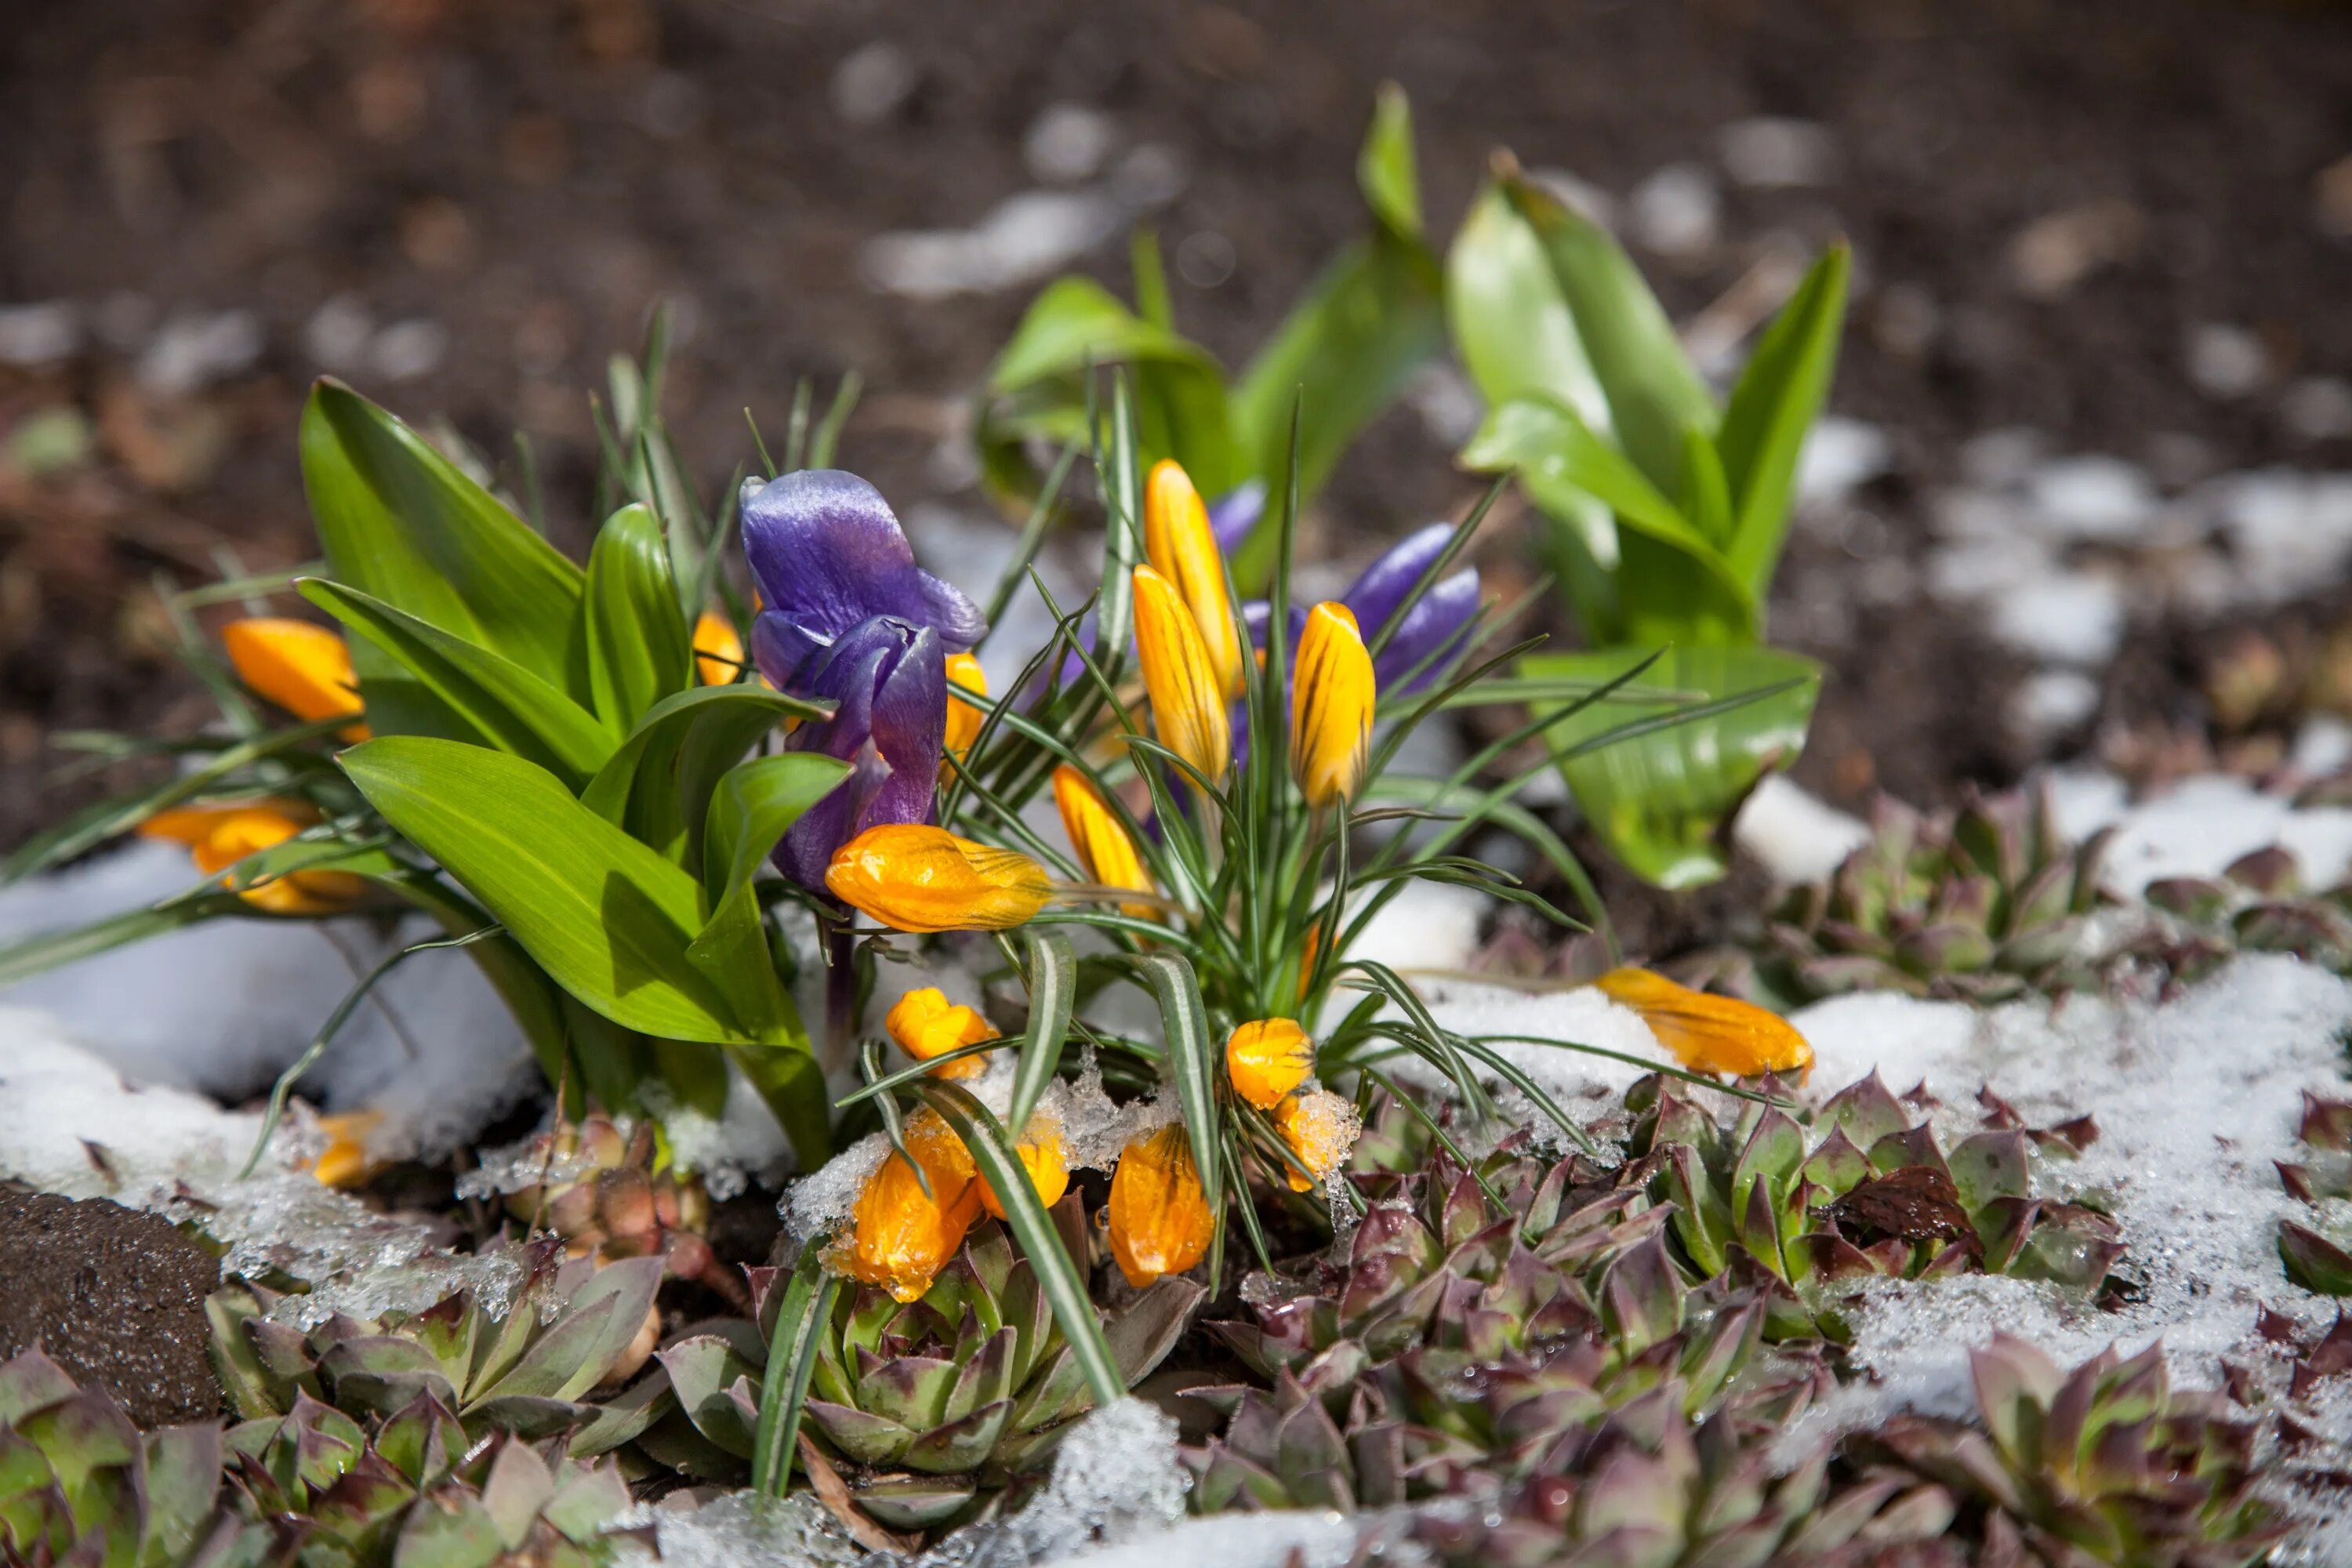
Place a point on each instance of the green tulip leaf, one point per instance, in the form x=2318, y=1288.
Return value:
x=639, y=651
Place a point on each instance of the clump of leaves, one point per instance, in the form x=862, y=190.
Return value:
x=2107, y=1463
x=319, y=1490
x=930, y=1406
x=533, y=1374
x=80, y=1484
x=1484, y=1322
x=2258, y=904
x=1858, y=1190
x=1650, y=1485
x=2324, y=1172
x=1981, y=905
x=608, y=1196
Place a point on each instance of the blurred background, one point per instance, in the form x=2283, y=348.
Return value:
x=2088, y=490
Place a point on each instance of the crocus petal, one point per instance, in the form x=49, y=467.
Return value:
x=1105, y=850
x=1043, y=1156
x=918, y=878
x=887, y=679
x=1233, y=517
x=1266, y=1059
x=1177, y=541
x=304, y=668
x=1158, y=1217
x=1431, y=623
x=964, y=719
x=717, y=649
x=830, y=555
x=1710, y=1033
x=1188, y=704
x=1321, y=1129
x=1331, y=704
x=926, y=1025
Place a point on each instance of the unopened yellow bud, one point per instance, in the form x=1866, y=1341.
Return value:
x=1188, y=698
x=344, y=1161
x=964, y=719
x=925, y=1027
x=1332, y=695
x=1105, y=850
x=915, y=878
x=1158, y=1217
x=717, y=649
x=1043, y=1157
x=303, y=668
x=218, y=836
x=1267, y=1059
x=1179, y=544
x=1321, y=1129
x=1708, y=1032
x=900, y=1237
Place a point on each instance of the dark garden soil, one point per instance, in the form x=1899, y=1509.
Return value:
x=528, y=175
x=115, y=1296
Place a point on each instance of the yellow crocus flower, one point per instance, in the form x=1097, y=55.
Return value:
x=925, y=1027
x=1178, y=542
x=1043, y=1157
x=218, y=836
x=1267, y=1059
x=1159, y=1221
x=1188, y=701
x=304, y=668
x=916, y=877
x=1332, y=695
x=1320, y=1128
x=1708, y=1032
x=717, y=649
x=964, y=719
x=1105, y=850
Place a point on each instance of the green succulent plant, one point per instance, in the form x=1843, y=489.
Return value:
x=573, y=1331
x=2322, y=1172
x=321, y=1491
x=80, y=1484
x=1856, y=1191
x=929, y=1404
x=2258, y=904
x=1981, y=905
x=611, y=1196
x=1649, y=1486
x=2107, y=1463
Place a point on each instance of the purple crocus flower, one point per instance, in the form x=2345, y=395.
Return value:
x=889, y=681
x=849, y=618
x=1435, y=623
x=830, y=556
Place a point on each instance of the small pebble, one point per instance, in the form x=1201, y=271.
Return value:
x=1068, y=143
x=2224, y=361
x=337, y=334
x=196, y=349
x=2318, y=408
x=2097, y=498
x=870, y=84
x=2004, y=456
x=407, y=351
x=1677, y=211
x=1769, y=152
x=2056, y=253
x=1840, y=456
x=2061, y=617
x=2051, y=704
x=38, y=334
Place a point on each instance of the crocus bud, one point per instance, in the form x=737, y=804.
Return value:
x=1708, y=1032
x=1267, y=1059
x=915, y=878
x=1320, y=1128
x=344, y=1161
x=1043, y=1157
x=964, y=719
x=717, y=649
x=1179, y=543
x=1331, y=698
x=1158, y=1217
x=1188, y=701
x=925, y=1027
x=304, y=668
x=900, y=1237
x=218, y=836
x=1105, y=849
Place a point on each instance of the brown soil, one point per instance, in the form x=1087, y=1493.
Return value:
x=532, y=175
x=114, y=1296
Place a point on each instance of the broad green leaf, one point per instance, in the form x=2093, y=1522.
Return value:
x=1653, y=393
x=1385, y=169
x=503, y=702
x=1705, y=493
x=1515, y=336
x=1772, y=410
x=1673, y=584
x=1660, y=799
x=1037, y=389
x=639, y=651
x=754, y=803
x=657, y=782
x=605, y=916
x=399, y=521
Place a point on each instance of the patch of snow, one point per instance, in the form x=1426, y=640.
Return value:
x=2318, y=407
x=2064, y=618
x=410, y=350
x=1773, y=153
x=337, y=334
x=2324, y=746
x=1582, y=1016
x=2094, y=497
x=2194, y=1100
x=1793, y=836
x=2052, y=704
x=1427, y=926
x=1067, y=142
x=1840, y=456
x=224, y=1006
x=71, y=1123
x=2002, y=457
x=42, y=333
x=2200, y=826
x=871, y=82
x=2225, y=361
x=1021, y=239
x=1678, y=211
x=2289, y=531
x=195, y=349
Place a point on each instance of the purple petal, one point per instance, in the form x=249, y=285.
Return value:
x=783, y=651
x=1436, y=623
x=887, y=679
x=830, y=555
x=1375, y=596
x=1235, y=513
